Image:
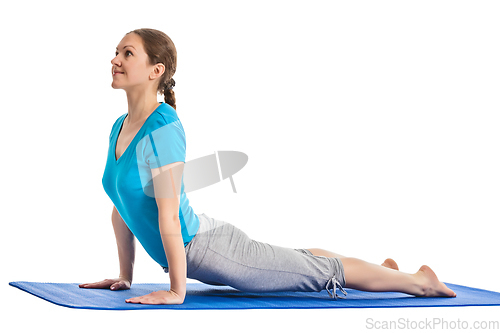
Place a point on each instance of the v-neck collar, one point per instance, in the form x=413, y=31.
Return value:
x=133, y=140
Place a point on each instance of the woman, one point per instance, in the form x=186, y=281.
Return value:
x=143, y=178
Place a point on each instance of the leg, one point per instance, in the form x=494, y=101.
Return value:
x=220, y=253
x=223, y=254
x=389, y=263
x=365, y=276
x=325, y=253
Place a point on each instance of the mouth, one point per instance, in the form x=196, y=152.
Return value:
x=116, y=72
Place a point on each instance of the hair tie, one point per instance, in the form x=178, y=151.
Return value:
x=170, y=84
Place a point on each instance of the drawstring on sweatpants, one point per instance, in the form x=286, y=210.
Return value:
x=334, y=284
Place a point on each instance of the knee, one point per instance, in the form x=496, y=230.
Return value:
x=325, y=253
x=318, y=252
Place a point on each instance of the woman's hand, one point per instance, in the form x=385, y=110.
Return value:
x=113, y=284
x=158, y=297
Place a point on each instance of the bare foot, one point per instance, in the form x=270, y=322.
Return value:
x=431, y=286
x=390, y=263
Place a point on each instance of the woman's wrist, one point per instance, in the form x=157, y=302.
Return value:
x=181, y=293
x=126, y=278
x=178, y=285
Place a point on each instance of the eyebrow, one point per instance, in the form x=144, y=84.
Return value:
x=126, y=46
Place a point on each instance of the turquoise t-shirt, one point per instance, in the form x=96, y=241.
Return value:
x=128, y=181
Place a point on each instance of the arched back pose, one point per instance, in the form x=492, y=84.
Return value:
x=143, y=178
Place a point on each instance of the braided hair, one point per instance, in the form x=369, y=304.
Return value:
x=166, y=89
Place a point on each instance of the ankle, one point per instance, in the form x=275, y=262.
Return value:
x=421, y=284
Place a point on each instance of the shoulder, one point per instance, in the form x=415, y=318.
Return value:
x=166, y=113
x=116, y=124
x=119, y=119
x=164, y=117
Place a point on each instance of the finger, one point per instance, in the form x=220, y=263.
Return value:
x=116, y=285
x=97, y=285
x=121, y=285
x=149, y=301
x=139, y=299
x=143, y=300
x=87, y=285
x=134, y=300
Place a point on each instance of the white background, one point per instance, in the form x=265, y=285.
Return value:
x=371, y=129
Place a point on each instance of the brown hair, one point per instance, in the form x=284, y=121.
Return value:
x=160, y=49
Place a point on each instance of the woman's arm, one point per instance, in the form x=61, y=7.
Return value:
x=167, y=181
x=167, y=184
x=125, y=241
x=170, y=229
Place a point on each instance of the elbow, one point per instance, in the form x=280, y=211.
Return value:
x=172, y=218
x=170, y=224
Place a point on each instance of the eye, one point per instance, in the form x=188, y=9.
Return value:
x=116, y=53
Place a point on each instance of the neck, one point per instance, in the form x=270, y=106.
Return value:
x=140, y=105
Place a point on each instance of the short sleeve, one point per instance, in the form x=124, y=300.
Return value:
x=165, y=145
x=115, y=127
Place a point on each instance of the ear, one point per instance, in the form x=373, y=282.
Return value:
x=158, y=71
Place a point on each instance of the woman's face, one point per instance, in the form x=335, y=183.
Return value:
x=131, y=64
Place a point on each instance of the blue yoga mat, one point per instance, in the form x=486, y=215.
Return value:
x=203, y=296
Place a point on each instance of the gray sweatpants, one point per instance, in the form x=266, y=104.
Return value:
x=221, y=254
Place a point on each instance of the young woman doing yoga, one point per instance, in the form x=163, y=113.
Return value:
x=143, y=178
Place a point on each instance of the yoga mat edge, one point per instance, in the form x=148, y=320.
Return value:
x=206, y=297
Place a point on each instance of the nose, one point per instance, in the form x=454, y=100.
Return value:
x=115, y=61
